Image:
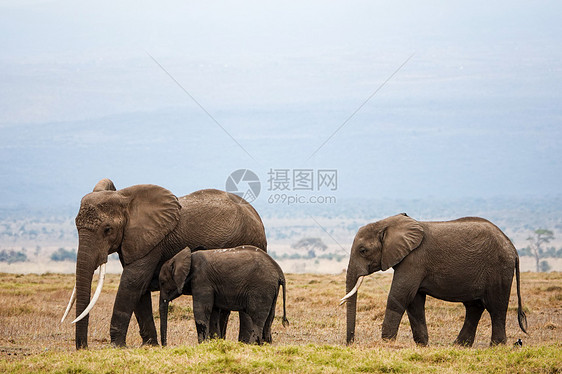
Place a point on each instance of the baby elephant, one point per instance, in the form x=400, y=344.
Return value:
x=243, y=279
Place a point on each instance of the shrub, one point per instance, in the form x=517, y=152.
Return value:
x=64, y=255
x=12, y=256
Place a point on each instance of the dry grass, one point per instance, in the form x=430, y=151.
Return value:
x=33, y=340
x=31, y=307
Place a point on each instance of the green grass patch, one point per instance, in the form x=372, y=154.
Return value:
x=231, y=357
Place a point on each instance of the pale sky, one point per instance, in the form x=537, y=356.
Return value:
x=410, y=99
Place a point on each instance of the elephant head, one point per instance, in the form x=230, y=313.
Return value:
x=173, y=275
x=377, y=246
x=131, y=221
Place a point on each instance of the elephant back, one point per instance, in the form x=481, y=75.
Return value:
x=217, y=219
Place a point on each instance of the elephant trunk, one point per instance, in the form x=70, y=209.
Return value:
x=351, y=301
x=164, y=321
x=86, y=264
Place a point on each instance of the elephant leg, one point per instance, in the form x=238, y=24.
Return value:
x=498, y=311
x=391, y=323
x=474, y=310
x=143, y=312
x=254, y=331
x=134, y=283
x=246, y=327
x=259, y=319
x=258, y=315
x=214, y=324
x=223, y=322
x=267, y=336
x=401, y=294
x=202, y=310
x=498, y=328
x=416, y=315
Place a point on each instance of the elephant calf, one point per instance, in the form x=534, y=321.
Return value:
x=244, y=279
x=468, y=260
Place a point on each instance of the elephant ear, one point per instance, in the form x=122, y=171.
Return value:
x=153, y=212
x=104, y=185
x=181, y=266
x=403, y=234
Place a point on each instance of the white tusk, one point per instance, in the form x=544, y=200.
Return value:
x=70, y=304
x=353, y=291
x=96, y=295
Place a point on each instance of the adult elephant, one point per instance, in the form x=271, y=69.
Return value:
x=468, y=260
x=147, y=225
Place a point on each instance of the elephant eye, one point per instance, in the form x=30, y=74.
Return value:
x=107, y=231
x=362, y=250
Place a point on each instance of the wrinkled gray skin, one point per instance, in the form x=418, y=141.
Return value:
x=147, y=225
x=243, y=279
x=468, y=260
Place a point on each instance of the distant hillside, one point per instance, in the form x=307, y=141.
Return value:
x=40, y=233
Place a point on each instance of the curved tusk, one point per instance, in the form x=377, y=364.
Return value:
x=70, y=304
x=353, y=291
x=96, y=295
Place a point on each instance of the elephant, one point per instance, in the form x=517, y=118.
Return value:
x=468, y=260
x=147, y=225
x=244, y=279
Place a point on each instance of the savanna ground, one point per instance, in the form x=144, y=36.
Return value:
x=32, y=339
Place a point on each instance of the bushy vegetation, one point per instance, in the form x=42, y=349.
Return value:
x=18, y=228
x=310, y=246
x=63, y=254
x=537, y=241
x=306, y=256
x=11, y=256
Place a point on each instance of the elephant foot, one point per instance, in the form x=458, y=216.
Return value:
x=202, y=331
x=118, y=345
x=464, y=342
x=421, y=343
x=150, y=343
x=118, y=342
x=149, y=339
x=389, y=340
x=495, y=342
x=80, y=344
x=389, y=337
x=244, y=339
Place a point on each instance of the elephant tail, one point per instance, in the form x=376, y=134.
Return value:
x=522, y=318
x=283, y=284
